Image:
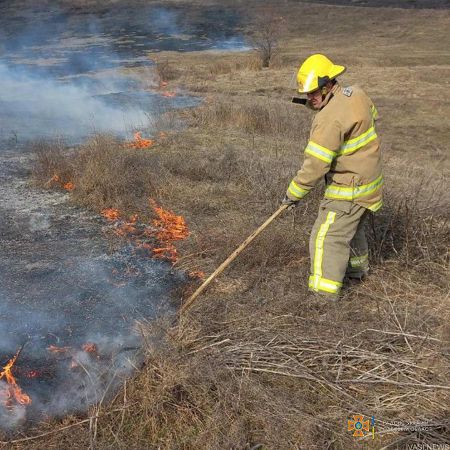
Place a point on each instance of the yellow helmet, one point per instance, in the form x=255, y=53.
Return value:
x=315, y=72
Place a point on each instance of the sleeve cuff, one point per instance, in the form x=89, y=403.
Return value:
x=295, y=192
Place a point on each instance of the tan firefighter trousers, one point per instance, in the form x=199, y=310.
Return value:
x=338, y=246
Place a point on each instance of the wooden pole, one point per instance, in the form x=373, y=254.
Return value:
x=228, y=261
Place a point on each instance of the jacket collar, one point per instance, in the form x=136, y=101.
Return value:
x=336, y=88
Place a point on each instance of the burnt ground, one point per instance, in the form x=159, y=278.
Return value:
x=65, y=41
x=63, y=283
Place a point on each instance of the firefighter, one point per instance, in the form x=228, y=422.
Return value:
x=344, y=148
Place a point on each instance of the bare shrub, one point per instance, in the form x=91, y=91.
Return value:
x=412, y=227
x=265, y=35
x=54, y=165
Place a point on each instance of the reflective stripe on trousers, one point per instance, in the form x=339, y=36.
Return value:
x=316, y=281
x=337, y=240
x=359, y=262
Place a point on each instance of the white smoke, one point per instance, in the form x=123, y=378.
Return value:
x=13, y=416
x=35, y=106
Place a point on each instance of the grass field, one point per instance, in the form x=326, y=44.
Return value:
x=257, y=363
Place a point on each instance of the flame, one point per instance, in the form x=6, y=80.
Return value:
x=167, y=228
x=33, y=374
x=110, y=213
x=197, y=274
x=74, y=364
x=168, y=94
x=170, y=228
x=55, y=349
x=69, y=186
x=140, y=142
x=89, y=347
x=126, y=229
x=13, y=392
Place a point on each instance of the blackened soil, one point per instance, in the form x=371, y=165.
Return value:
x=63, y=285
x=69, y=41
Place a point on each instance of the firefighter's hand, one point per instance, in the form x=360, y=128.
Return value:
x=291, y=203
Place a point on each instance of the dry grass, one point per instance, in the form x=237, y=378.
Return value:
x=257, y=361
x=256, y=354
x=105, y=172
x=165, y=70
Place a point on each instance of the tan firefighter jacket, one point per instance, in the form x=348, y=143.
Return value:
x=343, y=147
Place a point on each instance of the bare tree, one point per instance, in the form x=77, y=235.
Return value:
x=265, y=35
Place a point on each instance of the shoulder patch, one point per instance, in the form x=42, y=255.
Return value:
x=348, y=91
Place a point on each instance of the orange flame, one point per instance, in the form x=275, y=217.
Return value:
x=69, y=186
x=171, y=228
x=13, y=392
x=74, y=364
x=32, y=374
x=168, y=94
x=140, y=142
x=110, y=213
x=128, y=228
x=166, y=228
x=56, y=178
x=55, y=349
x=197, y=274
x=89, y=347
x=133, y=218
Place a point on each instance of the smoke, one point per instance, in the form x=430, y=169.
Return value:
x=36, y=106
x=93, y=314
x=12, y=417
x=165, y=21
x=61, y=285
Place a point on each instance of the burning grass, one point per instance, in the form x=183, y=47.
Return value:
x=105, y=172
x=11, y=394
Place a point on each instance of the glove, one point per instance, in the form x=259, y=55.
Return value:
x=291, y=203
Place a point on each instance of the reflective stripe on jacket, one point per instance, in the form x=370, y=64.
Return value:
x=343, y=147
